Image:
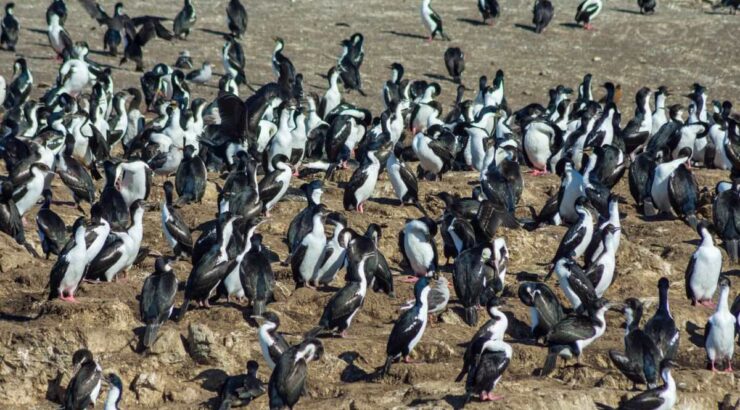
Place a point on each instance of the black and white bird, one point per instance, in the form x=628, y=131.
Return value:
x=417, y=244
x=574, y=333
x=545, y=310
x=28, y=191
x=659, y=398
x=115, y=391
x=361, y=185
x=345, y=303
x=432, y=21
x=176, y=230
x=287, y=382
x=492, y=330
x=184, y=61
x=455, y=62
x=185, y=20
x=646, y=6
x=473, y=267
x=256, y=276
x=67, y=272
x=542, y=15
x=601, y=270
x=489, y=10
x=587, y=11
x=210, y=269
x=190, y=177
x=578, y=236
x=575, y=284
x=51, y=229
x=487, y=369
x=202, y=75
x=334, y=256
x=727, y=220
x=157, y=300
x=275, y=184
x=703, y=270
x=272, y=342
x=237, y=18
x=640, y=361
x=719, y=333
x=409, y=328
x=84, y=387
x=306, y=258
x=404, y=182
x=241, y=389
x=10, y=28
x=662, y=327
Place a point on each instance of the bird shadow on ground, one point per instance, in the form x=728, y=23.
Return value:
x=722, y=13
x=456, y=402
x=409, y=35
x=527, y=27
x=37, y=31
x=211, y=379
x=695, y=336
x=352, y=373
x=438, y=77
x=214, y=32
x=570, y=25
x=472, y=21
x=385, y=201
x=627, y=11
x=7, y=317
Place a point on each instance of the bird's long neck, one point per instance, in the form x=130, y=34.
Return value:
x=111, y=401
x=724, y=293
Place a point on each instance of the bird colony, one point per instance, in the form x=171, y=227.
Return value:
x=386, y=241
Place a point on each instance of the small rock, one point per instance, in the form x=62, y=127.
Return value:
x=168, y=347
x=597, y=58
x=202, y=345
x=148, y=388
x=186, y=395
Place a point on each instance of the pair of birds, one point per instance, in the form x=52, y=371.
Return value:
x=87, y=379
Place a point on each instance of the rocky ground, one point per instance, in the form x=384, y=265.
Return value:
x=685, y=42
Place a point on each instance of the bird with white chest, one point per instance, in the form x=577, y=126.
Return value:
x=703, y=270
x=719, y=333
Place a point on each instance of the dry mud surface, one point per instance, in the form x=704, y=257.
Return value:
x=685, y=42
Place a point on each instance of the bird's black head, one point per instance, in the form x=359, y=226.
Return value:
x=277, y=159
x=663, y=90
x=685, y=152
x=162, y=264
x=81, y=356
x=336, y=219
x=271, y=317
x=633, y=303
x=724, y=281
x=252, y=367
x=664, y=283
x=9, y=8
x=188, y=152
x=431, y=225
x=114, y=381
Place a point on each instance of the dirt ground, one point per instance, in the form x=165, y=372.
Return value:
x=683, y=43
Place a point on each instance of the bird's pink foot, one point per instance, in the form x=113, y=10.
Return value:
x=429, y=39
x=537, y=172
x=408, y=360
x=493, y=397
x=714, y=369
x=343, y=334
x=411, y=279
x=729, y=367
